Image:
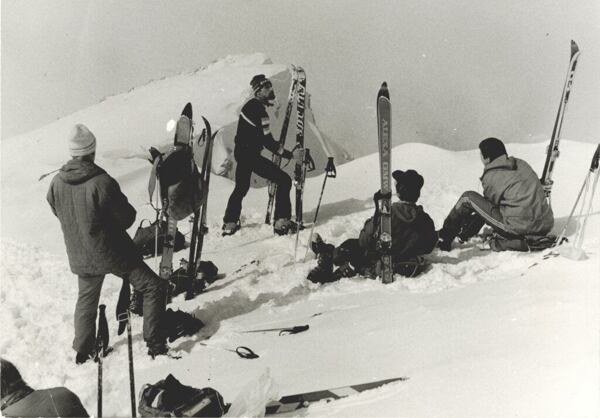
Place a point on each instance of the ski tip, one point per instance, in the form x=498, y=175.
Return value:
x=187, y=110
x=383, y=91
x=574, y=47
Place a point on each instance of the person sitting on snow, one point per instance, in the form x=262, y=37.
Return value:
x=94, y=215
x=513, y=203
x=20, y=400
x=254, y=134
x=413, y=235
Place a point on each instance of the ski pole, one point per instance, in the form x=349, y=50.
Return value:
x=282, y=331
x=126, y=317
x=330, y=171
x=43, y=176
x=101, y=346
x=593, y=168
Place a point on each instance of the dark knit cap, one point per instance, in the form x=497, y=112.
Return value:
x=408, y=184
x=492, y=148
x=258, y=81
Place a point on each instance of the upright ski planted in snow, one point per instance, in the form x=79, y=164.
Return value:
x=553, y=152
x=300, y=169
x=282, y=138
x=200, y=226
x=183, y=136
x=303, y=400
x=384, y=130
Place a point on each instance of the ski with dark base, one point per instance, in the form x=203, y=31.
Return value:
x=384, y=130
x=200, y=228
x=282, y=138
x=553, y=152
x=300, y=168
x=303, y=400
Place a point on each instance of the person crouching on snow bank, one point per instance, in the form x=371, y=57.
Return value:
x=513, y=203
x=20, y=400
x=94, y=216
x=413, y=235
x=254, y=134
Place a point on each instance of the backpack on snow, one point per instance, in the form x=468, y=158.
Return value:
x=179, y=181
x=170, y=398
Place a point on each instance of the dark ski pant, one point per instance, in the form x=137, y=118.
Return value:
x=266, y=169
x=469, y=214
x=144, y=280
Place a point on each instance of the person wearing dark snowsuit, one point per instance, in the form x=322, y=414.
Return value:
x=20, y=400
x=94, y=216
x=254, y=134
x=413, y=235
x=513, y=203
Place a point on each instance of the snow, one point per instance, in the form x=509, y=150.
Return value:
x=479, y=334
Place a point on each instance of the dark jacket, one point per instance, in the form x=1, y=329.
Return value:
x=513, y=186
x=94, y=215
x=254, y=132
x=52, y=402
x=413, y=232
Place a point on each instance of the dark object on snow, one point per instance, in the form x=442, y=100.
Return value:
x=177, y=324
x=284, y=330
x=145, y=238
x=170, y=398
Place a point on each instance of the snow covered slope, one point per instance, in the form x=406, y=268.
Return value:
x=479, y=334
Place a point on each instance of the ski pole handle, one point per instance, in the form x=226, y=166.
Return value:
x=294, y=330
x=595, y=159
x=308, y=160
x=330, y=168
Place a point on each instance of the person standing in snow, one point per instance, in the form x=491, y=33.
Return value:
x=413, y=235
x=254, y=134
x=94, y=216
x=513, y=203
x=20, y=400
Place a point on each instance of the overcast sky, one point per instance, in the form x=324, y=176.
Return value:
x=501, y=62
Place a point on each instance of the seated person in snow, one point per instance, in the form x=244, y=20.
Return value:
x=513, y=204
x=413, y=235
x=19, y=400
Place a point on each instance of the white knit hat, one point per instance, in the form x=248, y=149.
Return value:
x=81, y=141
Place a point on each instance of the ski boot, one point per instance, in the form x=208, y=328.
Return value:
x=136, y=303
x=158, y=349
x=285, y=226
x=323, y=273
x=444, y=243
x=81, y=358
x=230, y=228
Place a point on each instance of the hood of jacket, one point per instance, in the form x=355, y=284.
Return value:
x=79, y=171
